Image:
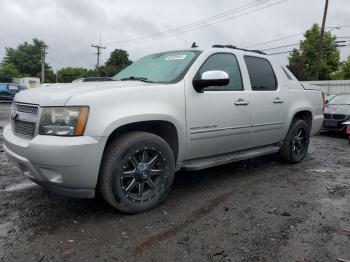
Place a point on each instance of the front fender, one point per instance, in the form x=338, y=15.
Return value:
x=131, y=119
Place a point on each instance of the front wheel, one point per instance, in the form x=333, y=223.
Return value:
x=137, y=172
x=297, y=141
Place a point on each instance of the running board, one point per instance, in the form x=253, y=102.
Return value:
x=206, y=162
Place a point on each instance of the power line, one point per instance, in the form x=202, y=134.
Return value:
x=343, y=37
x=200, y=24
x=284, y=52
x=282, y=46
x=291, y=36
x=278, y=47
x=211, y=24
x=275, y=40
x=196, y=23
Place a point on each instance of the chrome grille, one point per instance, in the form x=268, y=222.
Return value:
x=23, y=127
x=24, y=108
x=24, y=118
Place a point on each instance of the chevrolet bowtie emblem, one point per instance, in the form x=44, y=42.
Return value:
x=14, y=116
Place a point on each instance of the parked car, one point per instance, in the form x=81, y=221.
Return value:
x=93, y=79
x=336, y=113
x=8, y=91
x=174, y=110
x=329, y=98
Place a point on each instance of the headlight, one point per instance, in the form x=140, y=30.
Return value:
x=63, y=121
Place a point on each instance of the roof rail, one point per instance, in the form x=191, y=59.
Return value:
x=242, y=49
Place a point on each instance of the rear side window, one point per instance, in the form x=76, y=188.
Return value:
x=261, y=74
x=227, y=63
x=3, y=87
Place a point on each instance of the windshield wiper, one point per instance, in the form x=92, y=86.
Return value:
x=136, y=78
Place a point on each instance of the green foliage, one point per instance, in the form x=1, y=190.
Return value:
x=302, y=61
x=8, y=72
x=344, y=71
x=68, y=74
x=26, y=57
x=25, y=60
x=50, y=76
x=118, y=60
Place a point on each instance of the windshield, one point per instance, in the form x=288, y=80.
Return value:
x=159, y=68
x=340, y=100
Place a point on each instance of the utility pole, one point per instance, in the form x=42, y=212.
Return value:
x=43, y=55
x=320, y=48
x=98, y=47
x=57, y=75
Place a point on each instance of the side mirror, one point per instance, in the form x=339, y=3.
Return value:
x=211, y=78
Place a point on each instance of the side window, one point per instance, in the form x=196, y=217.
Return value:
x=3, y=87
x=227, y=63
x=261, y=74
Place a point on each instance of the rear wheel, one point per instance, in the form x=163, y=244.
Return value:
x=137, y=172
x=297, y=141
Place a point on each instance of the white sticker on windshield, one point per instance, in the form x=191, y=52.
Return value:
x=176, y=57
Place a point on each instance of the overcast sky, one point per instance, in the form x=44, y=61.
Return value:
x=69, y=27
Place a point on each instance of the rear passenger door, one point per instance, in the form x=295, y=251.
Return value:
x=269, y=111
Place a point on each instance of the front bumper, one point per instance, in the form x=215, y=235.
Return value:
x=66, y=165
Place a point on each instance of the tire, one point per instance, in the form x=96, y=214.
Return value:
x=137, y=172
x=296, y=142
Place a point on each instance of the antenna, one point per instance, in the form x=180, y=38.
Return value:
x=194, y=45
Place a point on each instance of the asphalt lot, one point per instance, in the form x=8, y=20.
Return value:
x=256, y=210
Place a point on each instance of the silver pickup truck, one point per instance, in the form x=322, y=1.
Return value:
x=189, y=109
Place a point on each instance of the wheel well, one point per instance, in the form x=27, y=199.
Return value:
x=164, y=129
x=305, y=115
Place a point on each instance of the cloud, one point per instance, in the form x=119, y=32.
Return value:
x=70, y=27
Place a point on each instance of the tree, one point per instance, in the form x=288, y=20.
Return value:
x=68, y=74
x=344, y=71
x=26, y=57
x=8, y=72
x=302, y=61
x=118, y=60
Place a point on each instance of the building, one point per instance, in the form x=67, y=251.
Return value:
x=28, y=82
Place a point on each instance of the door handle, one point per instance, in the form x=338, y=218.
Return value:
x=278, y=100
x=241, y=102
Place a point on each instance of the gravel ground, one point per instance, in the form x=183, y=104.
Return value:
x=256, y=210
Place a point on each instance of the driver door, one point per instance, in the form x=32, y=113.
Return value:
x=219, y=117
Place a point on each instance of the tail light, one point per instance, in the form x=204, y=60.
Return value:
x=324, y=101
x=348, y=129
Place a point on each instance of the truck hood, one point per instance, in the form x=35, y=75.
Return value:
x=338, y=109
x=59, y=94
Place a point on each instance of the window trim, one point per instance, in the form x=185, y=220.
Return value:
x=287, y=74
x=239, y=68
x=273, y=71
